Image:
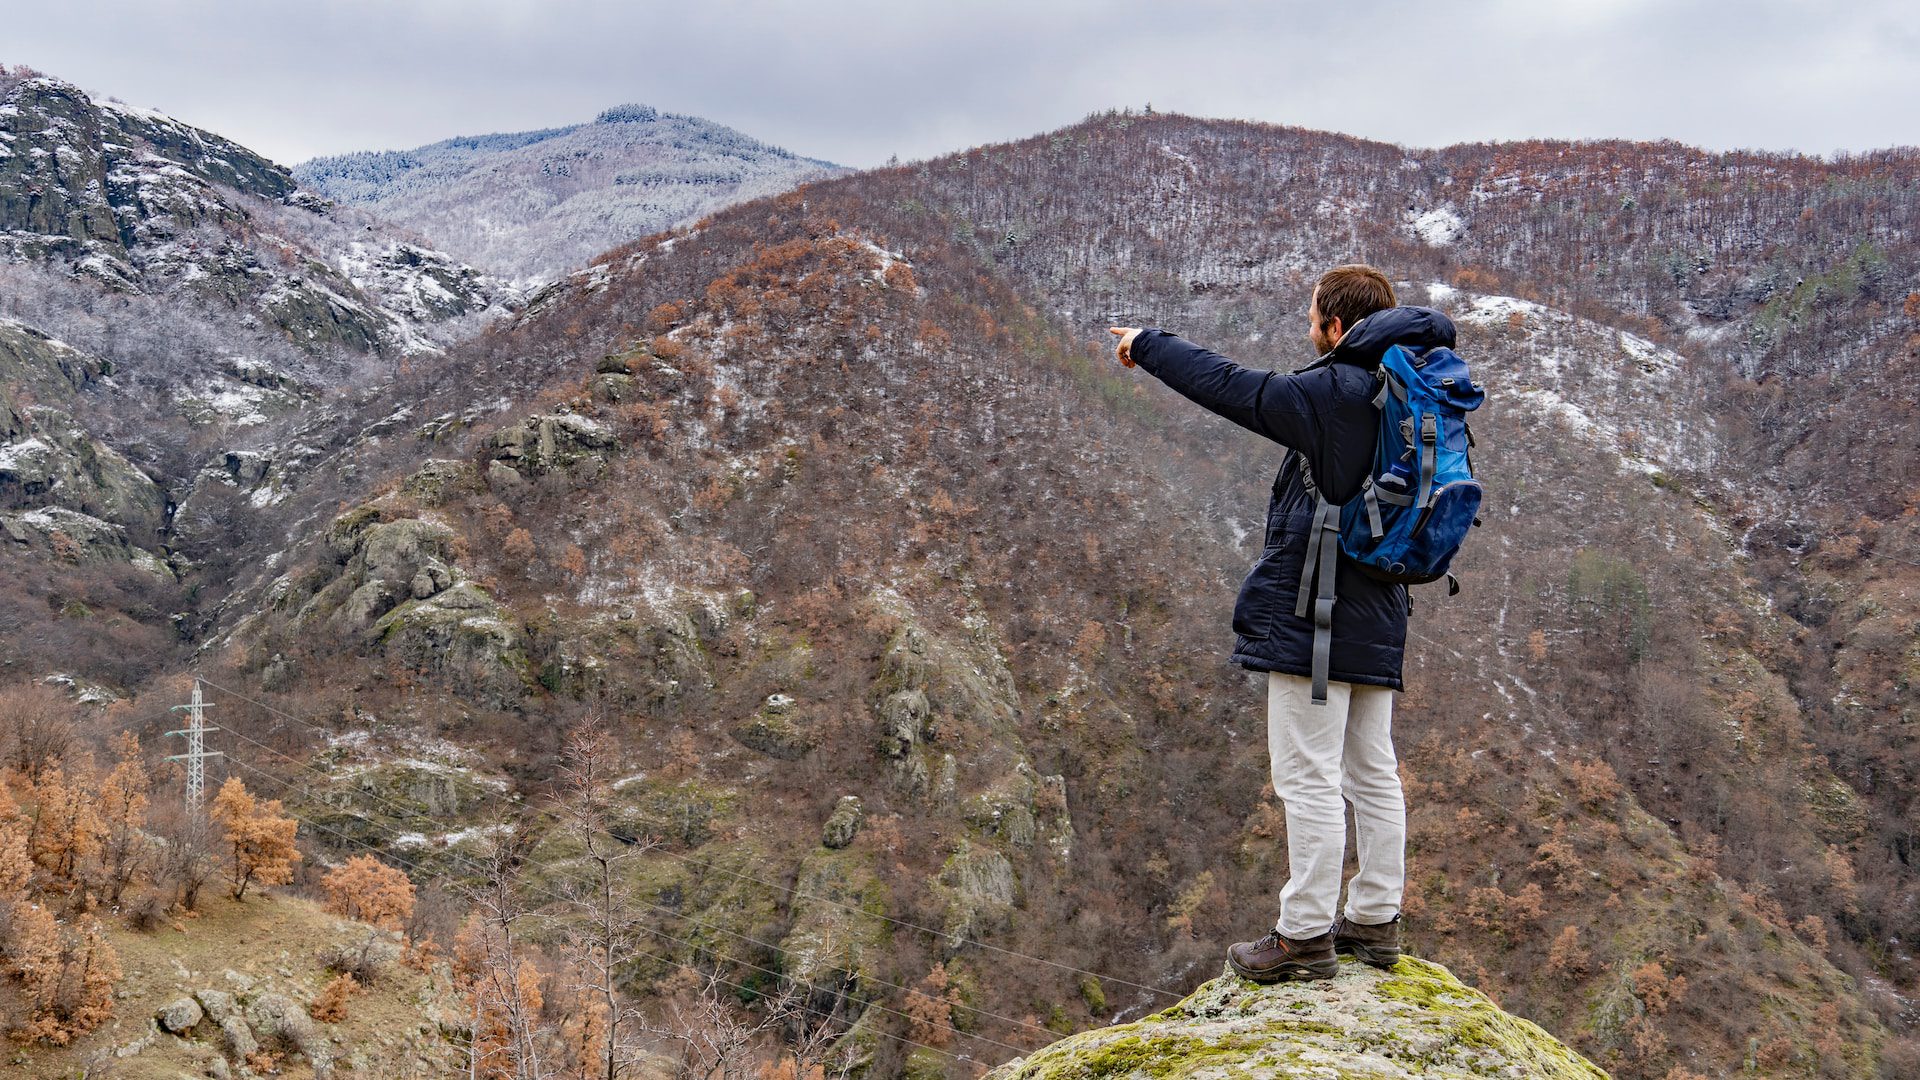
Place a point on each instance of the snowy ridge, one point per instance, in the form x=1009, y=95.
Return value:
x=534, y=205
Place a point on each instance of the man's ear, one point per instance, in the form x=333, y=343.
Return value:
x=1334, y=330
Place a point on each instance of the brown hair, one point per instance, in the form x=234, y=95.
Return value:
x=1351, y=293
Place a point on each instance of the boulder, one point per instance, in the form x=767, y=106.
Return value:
x=217, y=1003
x=502, y=475
x=553, y=442
x=397, y=550
x=978, y=885
x=277, y=1018
x=844, y=825
x=612, y=387
x=435, y=481
x=1415, y=1019
x=775, y=734
x=903, y=716
x=179, y=1016
x=838, y=941
x=463, y=634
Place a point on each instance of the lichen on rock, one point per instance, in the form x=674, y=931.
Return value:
x=844, y=824
x=1413, y=1020
x=838, y=942
x=554, y=442
x=979, y=887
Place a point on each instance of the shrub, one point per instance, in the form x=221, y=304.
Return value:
x=331, y=1006
x=367, y=889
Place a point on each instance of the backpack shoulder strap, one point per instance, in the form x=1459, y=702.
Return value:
x=1321, y=568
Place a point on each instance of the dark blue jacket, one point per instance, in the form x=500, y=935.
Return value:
x=1325, y=412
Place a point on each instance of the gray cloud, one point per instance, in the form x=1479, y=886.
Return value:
x=855, y=81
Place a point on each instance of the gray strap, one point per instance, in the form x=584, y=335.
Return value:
x=1302, y=601
x=1373, y=510
x=1392, y=497
x=1429, y=451
x=1323, y=609
x=1380, y=398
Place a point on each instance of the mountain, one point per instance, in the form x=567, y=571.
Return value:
x=907, y=606
x=536, y=204
x=168, y=301
x=834, y=495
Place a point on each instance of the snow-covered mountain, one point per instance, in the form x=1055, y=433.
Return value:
x=169, y=302
x=539, y=203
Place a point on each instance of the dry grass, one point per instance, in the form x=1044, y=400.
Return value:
x=273, y=940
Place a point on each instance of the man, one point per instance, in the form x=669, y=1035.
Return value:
x=1324, y=415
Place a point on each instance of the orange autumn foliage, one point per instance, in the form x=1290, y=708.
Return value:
x=259, y=835
x=67, y=975
x=367, y=889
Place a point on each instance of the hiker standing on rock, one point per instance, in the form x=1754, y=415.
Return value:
x=1336, y=743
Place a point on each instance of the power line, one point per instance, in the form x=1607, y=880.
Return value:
x=486, y=794
x=197, y=753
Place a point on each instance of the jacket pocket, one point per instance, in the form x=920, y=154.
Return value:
x=1260, y=594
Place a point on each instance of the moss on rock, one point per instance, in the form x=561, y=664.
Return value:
x=839, y=936
x=1414, y=1020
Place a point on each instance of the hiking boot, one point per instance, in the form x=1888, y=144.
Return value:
x=1375, y=943
x=1274, y=957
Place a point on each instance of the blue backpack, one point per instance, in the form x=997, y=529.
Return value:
x=1414, y=510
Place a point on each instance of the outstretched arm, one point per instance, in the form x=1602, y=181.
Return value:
x=1264, y=402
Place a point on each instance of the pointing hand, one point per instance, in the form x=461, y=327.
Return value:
x=1124, y=350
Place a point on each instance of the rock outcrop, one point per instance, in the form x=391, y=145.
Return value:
x=142, y=203
x=393, y=580
x=47, y=457
x=1414, y=1020
x=547, y=443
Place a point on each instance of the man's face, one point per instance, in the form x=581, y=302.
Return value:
x=1323, y=337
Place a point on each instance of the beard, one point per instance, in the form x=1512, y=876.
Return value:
x=1322, y=344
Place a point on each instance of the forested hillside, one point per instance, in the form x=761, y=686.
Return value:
x=904, y=608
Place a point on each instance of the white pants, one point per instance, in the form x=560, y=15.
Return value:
x=1325, y=756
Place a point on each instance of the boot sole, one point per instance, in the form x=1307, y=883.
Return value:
x=1379, y=957
x=1321, y=969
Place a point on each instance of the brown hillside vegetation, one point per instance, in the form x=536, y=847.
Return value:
x=906, y=609
x=865, y=407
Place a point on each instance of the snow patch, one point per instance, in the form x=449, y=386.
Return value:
x=14, y=455
x=1437, y=227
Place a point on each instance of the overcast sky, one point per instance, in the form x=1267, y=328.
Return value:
x=857, y=81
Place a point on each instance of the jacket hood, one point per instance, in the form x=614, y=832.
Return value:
x=1416, y=327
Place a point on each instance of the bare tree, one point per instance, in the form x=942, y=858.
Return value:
x=508, y=1037
x=601, y=899
x=715, y=1037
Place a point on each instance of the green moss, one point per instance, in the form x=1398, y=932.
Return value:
x=682, y=812
x=1093, y=994
x=925, y=1064
x=1416, y=1019
x=839, y=912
